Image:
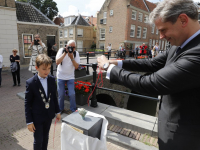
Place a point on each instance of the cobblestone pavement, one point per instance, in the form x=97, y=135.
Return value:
x=14, y=134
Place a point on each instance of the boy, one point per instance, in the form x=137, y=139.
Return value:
x=41, y=103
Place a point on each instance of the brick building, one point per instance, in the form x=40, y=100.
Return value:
x=126, y=22
x=19, y=22
x=78, y=29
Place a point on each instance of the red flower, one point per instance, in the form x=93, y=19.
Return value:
x=87, y=90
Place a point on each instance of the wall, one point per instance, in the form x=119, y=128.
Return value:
x=7, y=3
x=30, y=28
x=9, y=35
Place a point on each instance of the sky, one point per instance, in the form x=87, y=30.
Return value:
x=83, y=7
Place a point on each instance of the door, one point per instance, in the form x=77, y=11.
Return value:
x=50, y=43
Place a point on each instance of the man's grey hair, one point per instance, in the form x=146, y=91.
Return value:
x=169, y=10
x=37, y=35
x=71, y=41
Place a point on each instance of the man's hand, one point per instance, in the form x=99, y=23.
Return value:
x=58, y=116
x=31, y=127
x=101, y=61
x=40, y=42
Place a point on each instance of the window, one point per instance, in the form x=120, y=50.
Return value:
x=144, y=33
x=104, y=21
x=145, y=18
x=157, y=31
x=132, y=34
x=110, y=29
x=101, y=46
x=27, y=39
x=71, y=32
x=68, y=20
x=66, y=33
x=61, y=44
x=80, y=46
x=102, y=34
x=61, y=33
x=152, y=28
x=65, y=43
x=80, y=32
x=153, y=42
x=138, y=32
x=140, y=17
x=133, y=15
x=105, y=15
x=111, y=12
x=150, y=43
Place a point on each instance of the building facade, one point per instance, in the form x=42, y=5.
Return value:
x=125, y=22
x=78, y=29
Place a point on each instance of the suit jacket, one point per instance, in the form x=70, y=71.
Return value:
x=35, y=110
x=176, y=76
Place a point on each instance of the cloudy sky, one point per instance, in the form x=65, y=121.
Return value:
x=84, y=7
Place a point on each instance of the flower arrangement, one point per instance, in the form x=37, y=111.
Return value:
x=80, y=67
x=82, y=87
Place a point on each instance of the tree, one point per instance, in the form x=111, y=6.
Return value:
x=49, y=8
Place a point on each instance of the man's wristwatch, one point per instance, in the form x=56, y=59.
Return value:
x=105, y=66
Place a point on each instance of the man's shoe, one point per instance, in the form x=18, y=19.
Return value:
x=14, y=84
x=19, y=84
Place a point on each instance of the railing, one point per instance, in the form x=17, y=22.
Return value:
x=93, y=99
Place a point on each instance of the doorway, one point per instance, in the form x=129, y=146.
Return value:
x=50, y=43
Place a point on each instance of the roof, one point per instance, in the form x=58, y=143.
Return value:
x=92, y=20
x=79, y=20
x=29, y=13
x=143, y=4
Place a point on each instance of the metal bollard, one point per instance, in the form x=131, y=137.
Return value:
x=94, y=100
x=87, y=71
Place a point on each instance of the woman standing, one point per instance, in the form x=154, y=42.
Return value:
x=37, y=47
x=15, y=58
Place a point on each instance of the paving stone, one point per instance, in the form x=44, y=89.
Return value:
x=151, y=140
x=108, y=126
x=114, y=128
x=144, y=138
x=117, y=129
x=125, y=131
x=155, y=142
x=138, y=136
x=128, y=132
x=147, y=139
x=111, y=127
x=131, y=134
x=135, y=135
x=122, y=131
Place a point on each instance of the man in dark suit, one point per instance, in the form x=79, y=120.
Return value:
x=175, y=75
x=41, y=103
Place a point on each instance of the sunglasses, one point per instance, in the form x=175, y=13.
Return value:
x=14, y=51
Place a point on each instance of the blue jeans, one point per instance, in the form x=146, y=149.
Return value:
x=71, y=93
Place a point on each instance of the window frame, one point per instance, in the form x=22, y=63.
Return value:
x=152, y=28
x=140, y=16
x=61, y=44
x=134, y=11
x=140, y=31
x=133, y=30
x=61, y=33
x=78, y=30
x=145, y=33
x=110, y=29
x=146, y=18
x=72, y=32
x=27, y=43
x=65, y=33
x=111, y=12
x=101, y=33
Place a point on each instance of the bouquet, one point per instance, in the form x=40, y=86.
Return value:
x=82, y=87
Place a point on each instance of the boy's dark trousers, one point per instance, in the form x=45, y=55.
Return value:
x=41, y=134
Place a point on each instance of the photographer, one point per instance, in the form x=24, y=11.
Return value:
x=67, y=60
x=37, y=47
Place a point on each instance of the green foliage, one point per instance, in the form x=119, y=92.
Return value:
x=47, y=7
x=93, y=46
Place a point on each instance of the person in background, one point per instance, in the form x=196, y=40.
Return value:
x=41, y=104
x=153, y=51
x=54, y=50
x=175, y=74
x=16, y=74
x=157, y=48
x=109, y=47
x=37, y=47
x=1, y=65
x=136, y=52
x=67, y=60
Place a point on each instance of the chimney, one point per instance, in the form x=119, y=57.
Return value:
x=92, y=19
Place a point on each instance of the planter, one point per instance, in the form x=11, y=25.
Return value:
x=81, y=99
x=80, y=73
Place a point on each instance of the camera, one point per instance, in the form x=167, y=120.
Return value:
x=70, y=49
x=36, y=42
